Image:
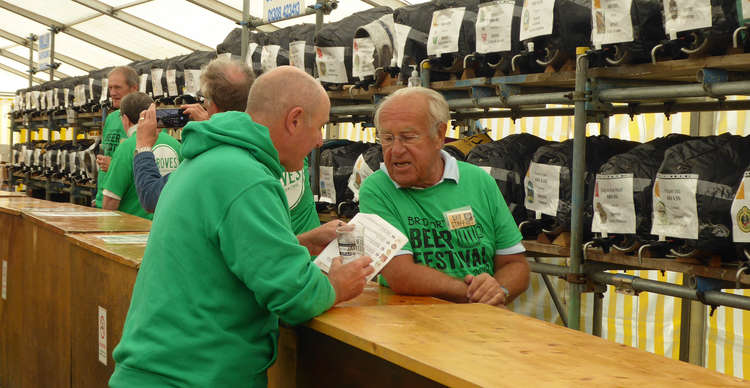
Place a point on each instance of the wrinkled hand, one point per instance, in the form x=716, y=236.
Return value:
x=349, y=279
x=317, y=239
x=103, y=162
x=483, y=288
x=196, y=112
x=147, y=132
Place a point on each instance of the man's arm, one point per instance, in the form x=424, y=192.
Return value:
x=511, y=278
x=317, y=239
x=110, y=203
x=406, y=277
x=148, y=181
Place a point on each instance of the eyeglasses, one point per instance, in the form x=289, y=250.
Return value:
x=410, y=138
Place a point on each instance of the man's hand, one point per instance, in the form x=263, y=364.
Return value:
x=103, y=162
x=349, y=279
x=483, y=288
x=317, y=239
x=196, y=112
x=147, y=132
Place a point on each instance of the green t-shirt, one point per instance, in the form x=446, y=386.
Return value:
x=112, y=135
x=418, y=213
x=120, y=182
x=302, y=210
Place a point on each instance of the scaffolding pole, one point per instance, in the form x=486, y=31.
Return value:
x=578, y=194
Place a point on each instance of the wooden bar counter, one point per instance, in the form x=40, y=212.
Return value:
x=473, y=345
x=46, y=321
x=4, y=193
x=103, y=272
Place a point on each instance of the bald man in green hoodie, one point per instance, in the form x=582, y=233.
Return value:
x=222, y=264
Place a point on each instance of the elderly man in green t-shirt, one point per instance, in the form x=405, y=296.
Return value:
x=119, y=190
x=122, y=80
x=463, y=243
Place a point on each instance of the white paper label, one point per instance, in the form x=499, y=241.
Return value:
x=66, y=98
x=493, y=26
x=35, y=99
x=268, y=57
x=90, y=97
x=363, y=50
x=444, y=31
x=142, y=83
x=5, y=280
x=327, y=188
x=675, y=211
x=297, y=54
x=75, y=214
x=745, y=5
x=686, y=15
x=105, y=90
x=250, y=50
x=55, y=98
x=156, y=85
x=192, y=82
x=172, y=83
x=226, y=56
x=612, y=22
x=102, y=334
x=614, y=209
x=134, y=239
x=741, y=212
x=536, y=18
x=542, y=186
x=402, y=35
x=330, y=63
x=360, y=172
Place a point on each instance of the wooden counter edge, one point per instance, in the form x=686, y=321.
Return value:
x=71, y=237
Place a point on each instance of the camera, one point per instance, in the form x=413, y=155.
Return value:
x=171, y=118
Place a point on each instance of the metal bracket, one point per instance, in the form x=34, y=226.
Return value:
x=624, y=285
x=577, y=278
x=478, y=92
x=709, y=76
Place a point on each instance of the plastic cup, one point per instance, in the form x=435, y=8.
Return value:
x=351, y=239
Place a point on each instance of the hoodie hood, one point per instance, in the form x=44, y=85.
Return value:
x=235, y=129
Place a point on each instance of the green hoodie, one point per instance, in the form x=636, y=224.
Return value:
x=221, y=267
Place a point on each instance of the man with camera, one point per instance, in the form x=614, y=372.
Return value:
x=225, y=85
x=119, y=191
x=121, y=81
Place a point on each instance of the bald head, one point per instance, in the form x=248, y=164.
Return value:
x=293, y=106
x=276, y=92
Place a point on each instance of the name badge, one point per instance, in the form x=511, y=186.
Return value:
x=459, y=218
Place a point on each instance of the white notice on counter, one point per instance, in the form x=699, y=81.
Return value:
x=75, y=214
x=493, y=26
x=612, y=22
x=445, y=30
x=614, y=209
x=675, y=211
x=542, y=186
x=102, y=334
x=135, y=239
x=686, y=15
x=536, y=18
x=741, y=212
x=5, y=280
x=327, y=188
x=382, y=242
x=297, y=54
x=330, y=62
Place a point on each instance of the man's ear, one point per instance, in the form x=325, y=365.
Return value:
x=441, y=132
x=293, y=120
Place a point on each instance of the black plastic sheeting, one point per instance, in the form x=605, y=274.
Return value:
x=233, y=44
x=720, y=161
x=648, y=31
x=599, y=149
x=571, y=27
x=341, y=155
x=643, y=162
x=510, y=158
x=341, y=33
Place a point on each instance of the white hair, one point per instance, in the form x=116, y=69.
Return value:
x=438, y=111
